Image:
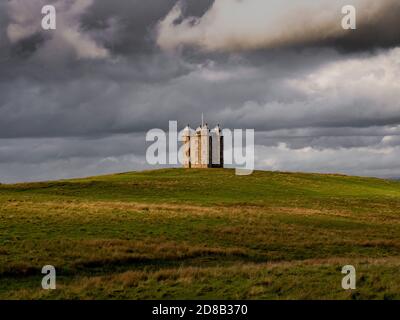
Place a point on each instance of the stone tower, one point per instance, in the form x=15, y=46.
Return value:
x=203, y=148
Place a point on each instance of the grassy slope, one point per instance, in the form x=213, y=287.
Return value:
x=201, y=234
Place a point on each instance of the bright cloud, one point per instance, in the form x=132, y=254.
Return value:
x=26, y=22
x=254, y=24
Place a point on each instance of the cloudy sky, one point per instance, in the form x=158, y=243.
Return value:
x=78, y=101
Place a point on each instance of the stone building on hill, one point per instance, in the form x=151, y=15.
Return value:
x=203, y=148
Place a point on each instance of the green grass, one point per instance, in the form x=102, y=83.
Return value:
x=179, y=233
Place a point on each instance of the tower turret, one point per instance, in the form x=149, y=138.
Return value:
x=186, y=135
x=205, y=144
x=217, y=147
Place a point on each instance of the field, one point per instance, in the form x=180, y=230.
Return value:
x=201, y=234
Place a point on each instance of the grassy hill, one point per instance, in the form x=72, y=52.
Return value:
x=180, y=233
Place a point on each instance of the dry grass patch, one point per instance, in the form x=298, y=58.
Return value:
x=314, y=278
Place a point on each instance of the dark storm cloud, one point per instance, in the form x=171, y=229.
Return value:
x=108, y=99
x=380, y=30
x=136, y=20
x=80, y=106
x=47, y=91
x=4, y=43
x=122, y=27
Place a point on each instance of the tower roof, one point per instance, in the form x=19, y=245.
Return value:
x=187, y=131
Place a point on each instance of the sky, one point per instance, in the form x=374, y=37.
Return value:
x=78, y=101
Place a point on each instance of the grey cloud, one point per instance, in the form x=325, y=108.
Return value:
x=334, y=138
x=121, y=98
x=25, y=23
x=118, y=27
x=377, y=161
x=64, y=168
x=136, y=21
x=37, y=150
x=314, y=108
x=34, y=159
